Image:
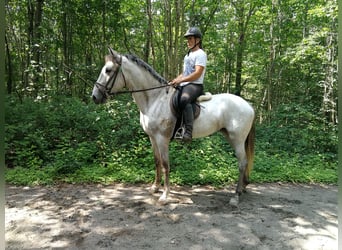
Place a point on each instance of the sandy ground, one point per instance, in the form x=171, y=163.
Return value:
x=270, y=216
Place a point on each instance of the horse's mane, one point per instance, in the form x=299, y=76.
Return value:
x=147, y=67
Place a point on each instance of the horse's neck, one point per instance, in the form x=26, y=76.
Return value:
x=138, y=78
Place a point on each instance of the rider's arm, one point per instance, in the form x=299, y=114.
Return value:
x=192, y=77
x=177, y=79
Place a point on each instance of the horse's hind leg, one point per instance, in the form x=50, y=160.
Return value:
x=240, y=153
x=243, y=181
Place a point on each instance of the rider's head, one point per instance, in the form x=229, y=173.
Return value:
x=196, y=33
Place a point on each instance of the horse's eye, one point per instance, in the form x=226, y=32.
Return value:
x=108, y=70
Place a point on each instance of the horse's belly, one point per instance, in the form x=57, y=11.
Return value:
x=205, y=126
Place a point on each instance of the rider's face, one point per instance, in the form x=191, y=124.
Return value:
x=191, y=41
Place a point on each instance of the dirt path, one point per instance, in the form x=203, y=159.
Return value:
x=271, y=216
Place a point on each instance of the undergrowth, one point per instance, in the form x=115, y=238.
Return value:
x=66, y=140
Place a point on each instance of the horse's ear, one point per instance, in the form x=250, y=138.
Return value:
x=114, y=54
x=111, y=51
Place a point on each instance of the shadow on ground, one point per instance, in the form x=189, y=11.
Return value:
x=270, y=216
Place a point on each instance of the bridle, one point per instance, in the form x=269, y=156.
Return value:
x=105, y=90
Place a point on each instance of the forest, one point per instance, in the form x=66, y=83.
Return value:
x=279, y=55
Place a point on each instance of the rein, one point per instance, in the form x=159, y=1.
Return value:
x=107, y=88
x=138, y=90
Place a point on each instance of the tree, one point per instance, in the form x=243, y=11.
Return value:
x=243, y=17
x=272, y=52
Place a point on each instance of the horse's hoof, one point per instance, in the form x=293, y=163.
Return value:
x=234, y=201
x=162, y=201
x=164, y=198
x=154, y=189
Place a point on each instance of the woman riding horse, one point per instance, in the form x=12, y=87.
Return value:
x=191, y=80
x=229, y=114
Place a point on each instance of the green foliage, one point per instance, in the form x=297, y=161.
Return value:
x=67, y=140
x=63, y=133
x=299, y=129
x=289, y=72
x=283, y=167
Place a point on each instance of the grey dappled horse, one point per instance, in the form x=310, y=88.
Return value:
x=226, y=113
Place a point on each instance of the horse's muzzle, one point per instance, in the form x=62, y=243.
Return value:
x=95, y=99
x=98, y=95
x=98, y=100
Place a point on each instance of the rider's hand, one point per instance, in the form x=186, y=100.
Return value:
x=175, y=82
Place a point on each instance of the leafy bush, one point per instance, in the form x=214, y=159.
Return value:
x=298, y=129
x=62, y=132
x=65, y=139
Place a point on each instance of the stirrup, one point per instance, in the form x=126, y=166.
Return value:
x=179, y=133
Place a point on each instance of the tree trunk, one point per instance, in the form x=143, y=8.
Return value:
x=67, y=44
x=272, y=55
x=9, y=68
x=177, y=25
x=242, y=29
x=37, y=31
x=36, y=49
x=239, y=58
x=103, y=22
x=329, y=103
x=148, y=43
x=167, y=38
x=30, y=16
x=33, y=57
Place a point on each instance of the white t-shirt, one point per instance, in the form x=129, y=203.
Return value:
x=198, y=57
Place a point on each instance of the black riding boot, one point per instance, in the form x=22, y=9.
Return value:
x=188, y=118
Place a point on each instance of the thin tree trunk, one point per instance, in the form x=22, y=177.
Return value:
x=36, y=49
x=167, y=37
x=270, y=67
x=177, y=25
x=329, y=104
x=30, y=16
x=38, y=14
x=242, y=26
x=67, y=44
x=103, y=24
x=148, y=43
x=239, y=58
x=9, y=68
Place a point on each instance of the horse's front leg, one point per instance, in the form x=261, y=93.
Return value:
x=166, y=172
x=157, y=178
x=161, y=157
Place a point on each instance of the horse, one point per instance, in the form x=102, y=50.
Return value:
x=230, y=114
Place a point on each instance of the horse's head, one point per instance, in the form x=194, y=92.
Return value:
x=108, y=81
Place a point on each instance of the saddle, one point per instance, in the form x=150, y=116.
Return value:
x=196, y=107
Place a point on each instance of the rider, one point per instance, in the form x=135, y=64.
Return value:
x=191, y=80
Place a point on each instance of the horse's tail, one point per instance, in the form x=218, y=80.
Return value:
x=249, y=148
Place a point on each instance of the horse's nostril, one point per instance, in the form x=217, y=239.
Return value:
x=95, y=100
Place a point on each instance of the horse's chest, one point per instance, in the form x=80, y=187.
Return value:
x=153, y=123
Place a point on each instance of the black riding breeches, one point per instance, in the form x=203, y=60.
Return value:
x=190, y=92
